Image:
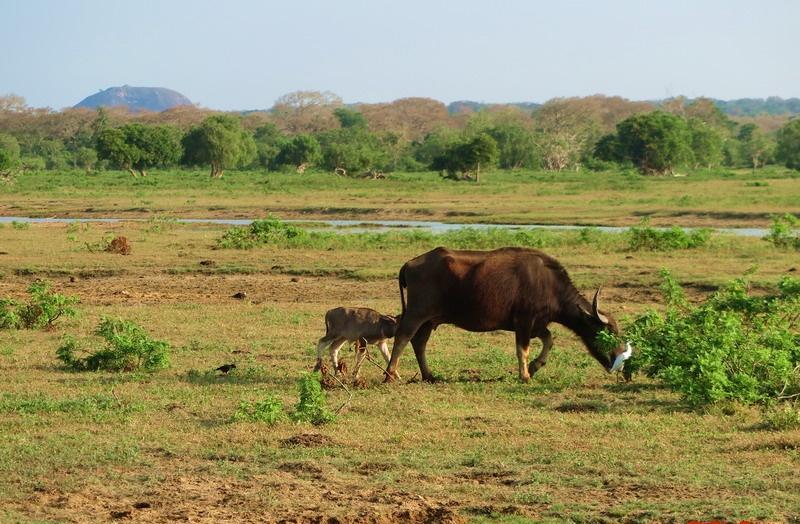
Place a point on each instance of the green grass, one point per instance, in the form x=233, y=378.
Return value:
x=573, y=445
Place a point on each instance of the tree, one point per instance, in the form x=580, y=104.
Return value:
x=138, y=147
x=353, y=149
x=706, y=143
x=469, y=156
x=564, y=131
x=221, y=142
x=755, y=148
x=9, y=155
x=306, y=111
x=350, y=118
x=789, y=144
x=299, y=150
x=269, y=142
x=655, y=142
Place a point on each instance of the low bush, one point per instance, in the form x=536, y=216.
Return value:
x=268, y=411
x=127, y=347
x=735, y=345
x=42, y=309
x=784, y=233
x=312, y=406
x=645, y=237
x=260, y=232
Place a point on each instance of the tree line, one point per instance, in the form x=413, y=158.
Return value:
x=316, y=130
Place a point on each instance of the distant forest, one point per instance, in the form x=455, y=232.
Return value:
x=318, y=131
x=773, y=105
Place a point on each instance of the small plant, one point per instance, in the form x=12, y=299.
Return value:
x=127, y=348
x=645, y=237
x=311, y=407
x=268, y=411
x=20, y=225
x=9, y=318
x=160, y=223
x=42, y=310
x=784, y=233
x=735, y=346
x=101, y=245
x=783, y=418
x=260, y=232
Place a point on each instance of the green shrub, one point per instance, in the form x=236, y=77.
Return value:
x=9, y=318
x=42, y=310
x=645, y=237
x=268, y=411
x=45, y=306
x=782, y=418
x=734, y=346
x=127, y=348
x=311, y=407
x=20, y=225
x=783, y=233
x=260, y=232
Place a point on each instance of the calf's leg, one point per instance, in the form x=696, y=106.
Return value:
x=335, y=347
x=321, y=345
x=361, y=353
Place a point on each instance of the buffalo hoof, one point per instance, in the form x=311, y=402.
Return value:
x=430, y=379
x=535, y=366
x=390, y=377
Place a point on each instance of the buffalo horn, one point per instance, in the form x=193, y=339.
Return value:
x=596, y=308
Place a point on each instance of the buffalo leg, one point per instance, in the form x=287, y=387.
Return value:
x=547, y=342
x=523, y=338
x=419, y=342
x=405, y=331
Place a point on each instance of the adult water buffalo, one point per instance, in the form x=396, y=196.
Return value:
x=512, y=289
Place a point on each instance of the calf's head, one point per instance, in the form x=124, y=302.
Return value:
x=388, y=325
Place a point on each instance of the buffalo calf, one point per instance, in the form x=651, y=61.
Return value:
x=355, y=324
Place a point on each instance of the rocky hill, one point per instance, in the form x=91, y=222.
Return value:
x=136, y=98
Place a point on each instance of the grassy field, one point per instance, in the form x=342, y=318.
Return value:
x=703, y=198
x=574, y=445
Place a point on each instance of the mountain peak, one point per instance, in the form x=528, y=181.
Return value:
x=136, y=98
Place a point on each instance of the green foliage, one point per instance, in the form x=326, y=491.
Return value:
x=467, y=157
x=219, y=142
x=645, y=237
x=349, y=117
x=655, y=142
x=300, y=149
x=784, y=232
x=127, y=347
x=269, y=141
x=311, y=407
x=9, y=316
x=516, y=147
x=260, y=232
x=268, y=411
x=353, y=149
x=783, y=418
x=706, y=143
x=140, y=147
x=789, y=144
x=734, y=346
x=42, y=309
x=9, y=154
x=754, y=147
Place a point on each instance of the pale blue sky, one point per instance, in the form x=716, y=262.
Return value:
x=239, y=54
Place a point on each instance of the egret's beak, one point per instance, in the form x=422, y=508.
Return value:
x=621, y=358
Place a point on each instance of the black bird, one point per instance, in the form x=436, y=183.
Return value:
x=226, y=368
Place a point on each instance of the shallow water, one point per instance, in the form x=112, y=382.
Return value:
x=360, y=226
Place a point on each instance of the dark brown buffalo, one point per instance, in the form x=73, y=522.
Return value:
x=512, y=289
